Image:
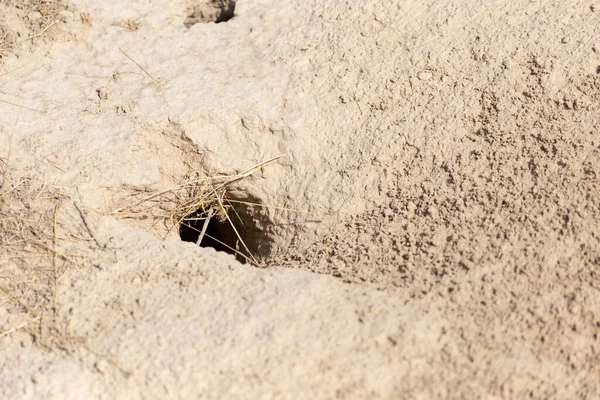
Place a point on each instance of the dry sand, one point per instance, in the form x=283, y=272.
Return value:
x=442, y=159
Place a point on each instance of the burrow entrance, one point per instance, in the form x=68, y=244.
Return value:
x=210, y=11
x=249, y=222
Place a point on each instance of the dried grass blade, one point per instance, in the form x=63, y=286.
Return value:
x=204, y=227
x=15, y=328
x=248, y=172
x=140, y=67
x=22, y=106
x=236, y=231
x=17, y=68
x=279, y=208
x=42, y=32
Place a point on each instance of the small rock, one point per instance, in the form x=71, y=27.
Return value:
x=34, y=16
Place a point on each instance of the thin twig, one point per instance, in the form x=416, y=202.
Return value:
x=22, y=106
x=279, y=208
x=235, y=230
x=87, y=224
x=54, y=248
x=248, y=172
x=11, y=330
x=140, y=67
x=5, y=172
x=42, y=32
x=204, y=227
x=235, y=212
x=17, y=68
x=12, y=188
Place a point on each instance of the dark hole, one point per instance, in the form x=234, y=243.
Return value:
x=211, y=11
x=219, y=234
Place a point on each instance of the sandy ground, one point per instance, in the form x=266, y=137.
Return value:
x=432, y=229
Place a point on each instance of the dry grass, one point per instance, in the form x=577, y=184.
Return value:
x=49, y=11
x=37, y=35
x=32, y=258
x=16, y=104
x=130, y=25
x=4, y=48
x=33, y=237
x=38, y=235
x=205, y=197
x=48, y=15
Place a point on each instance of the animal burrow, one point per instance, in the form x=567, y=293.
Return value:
x=210, y=11
x=249, y=222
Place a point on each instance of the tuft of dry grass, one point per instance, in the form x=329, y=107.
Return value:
x=33, y=231
x=130, y=25
x=205, y=197
x=32, y=259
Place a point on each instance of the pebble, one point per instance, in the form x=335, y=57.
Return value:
x=33, y=16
